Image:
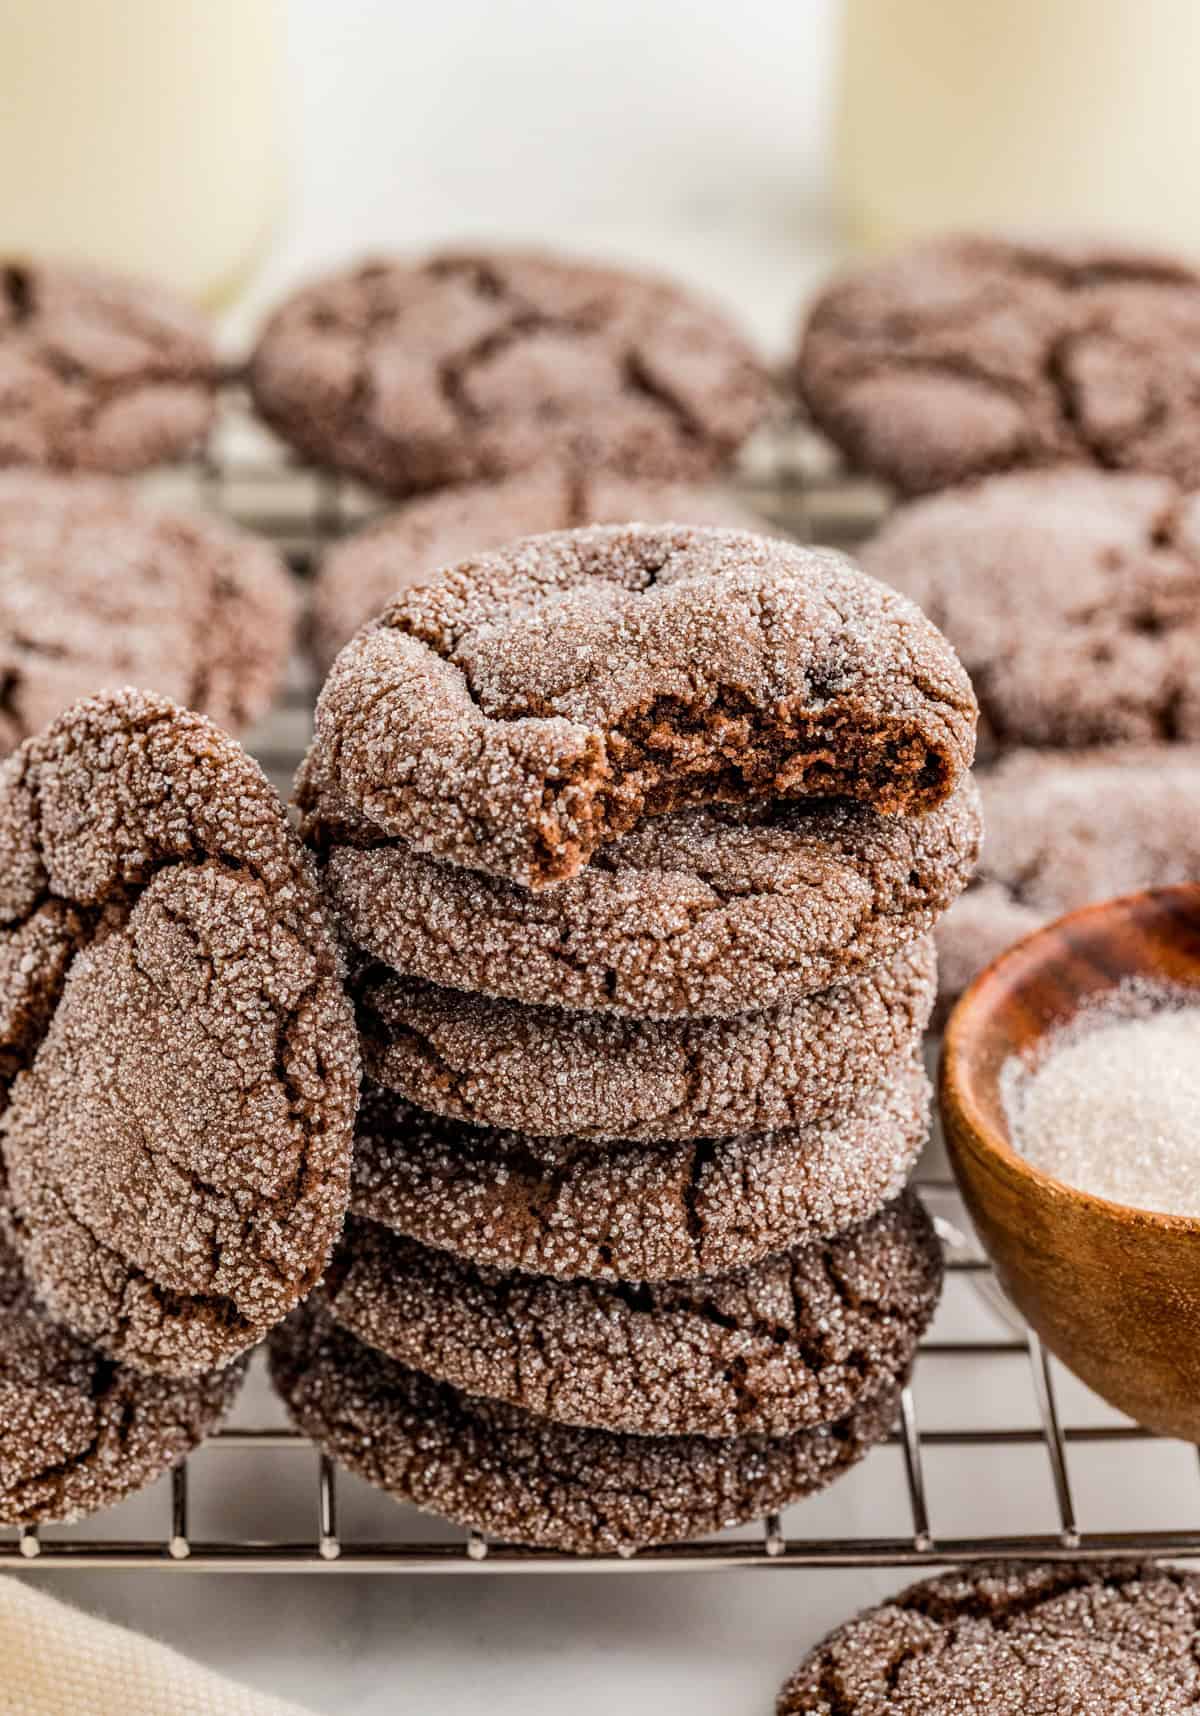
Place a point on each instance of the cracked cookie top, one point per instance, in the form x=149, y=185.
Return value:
x=99, y=590
x=1072, y=596
x=967, y=355
x=575, y=1208
x=532, y=705
x=1065, y=828
x=523, y=1479
x=793, y=1341
x=360, y=575
x=77, y=1431
x=713, y=911
x=467, y=366
x=1105, y=1639
x=545, y=1071
x=99, y=372
x=180, y=1061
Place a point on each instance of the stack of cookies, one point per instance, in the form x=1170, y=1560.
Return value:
x=636, y=835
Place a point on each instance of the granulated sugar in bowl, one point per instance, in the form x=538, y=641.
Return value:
x=1111, y=1105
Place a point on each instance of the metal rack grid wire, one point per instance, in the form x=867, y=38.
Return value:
x=788, y=478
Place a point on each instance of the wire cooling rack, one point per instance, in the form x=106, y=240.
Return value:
x=985, y=1460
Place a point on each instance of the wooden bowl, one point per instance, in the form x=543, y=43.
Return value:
x=1113, y=1291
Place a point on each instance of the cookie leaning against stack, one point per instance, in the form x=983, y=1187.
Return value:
x=177, y=1093
x=631, y=1254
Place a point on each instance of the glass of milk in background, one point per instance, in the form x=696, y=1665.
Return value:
x=144, y=135
x=1075, y=114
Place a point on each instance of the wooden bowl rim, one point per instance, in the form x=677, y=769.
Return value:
x=956, y=1084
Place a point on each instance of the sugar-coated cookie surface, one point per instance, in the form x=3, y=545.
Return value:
x=181, y=1068
x=1065, y=828
x=713, y=911
x=790, y=1343
x=572, y=1207
x=98, y=590
x=1105, y=1639
x=531, y=705
x=554, y=1073
x=359, y=576
x=99, y=372
x=414, y=375
x=1072, y=597
x=968, y=354
x=523, y=1479
x=78, y=1432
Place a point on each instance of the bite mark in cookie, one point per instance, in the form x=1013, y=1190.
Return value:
x=531, y=706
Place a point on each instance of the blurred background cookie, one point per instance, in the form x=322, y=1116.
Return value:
x=98, y=590
x=966, y=355
x=480, y=364
x=99, y=372
x=1072, y=597
x=1064, y=828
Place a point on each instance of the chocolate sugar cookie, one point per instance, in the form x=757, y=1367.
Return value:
x=789, y=1343
x=968, y=354
x=98, y=590
x=1065, y=828
x=1072, y=596
x=181, y=1055
x=98, y=372
x=415, y=375
x=570, y=1207
x=360, y=575
x=712, y=911
x=530, y=706
x=78, y=1432
x=521, y=1478
x=553, y=1073
x=1057, y=1640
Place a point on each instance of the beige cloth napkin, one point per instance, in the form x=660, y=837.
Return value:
x=57, y=1661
